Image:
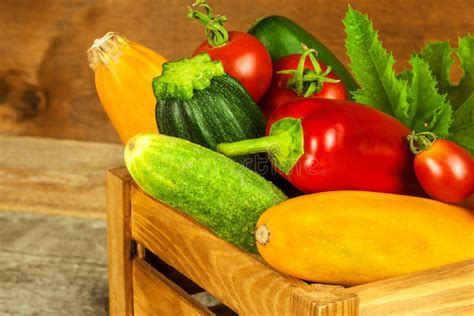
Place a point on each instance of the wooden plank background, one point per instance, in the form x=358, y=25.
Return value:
x=55, y=176
x=46, y=86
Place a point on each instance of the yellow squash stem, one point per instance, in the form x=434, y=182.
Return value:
x=124, y=71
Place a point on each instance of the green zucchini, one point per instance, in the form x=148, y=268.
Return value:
x=199, y=102
x=283, y=37
x=218, y=192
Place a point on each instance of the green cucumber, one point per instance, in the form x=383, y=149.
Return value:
x=218, y=192
x=197, y=101
x=283, y=37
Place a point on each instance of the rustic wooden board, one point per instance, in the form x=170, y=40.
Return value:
x=46, y=86
x=55, y=176
x=149, y=284
x=241, y=281
x=447, y=290
x=52, y=265
x=120, y=252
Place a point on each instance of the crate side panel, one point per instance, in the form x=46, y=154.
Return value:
x=240, y=280
x=445, y=290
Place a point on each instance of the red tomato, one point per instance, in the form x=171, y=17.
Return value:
x=279, y=94
x=445, y=171
x=246, y=59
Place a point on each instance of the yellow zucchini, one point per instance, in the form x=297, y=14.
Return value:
x=354, y=237
x=124, y=71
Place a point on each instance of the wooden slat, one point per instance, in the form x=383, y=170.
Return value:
x=154, y=294
x=119, y=243
x=240, y=280
x=447, y=290
x=52, y=265
x=55, y=176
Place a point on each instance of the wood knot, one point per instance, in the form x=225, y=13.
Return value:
x=19, y=99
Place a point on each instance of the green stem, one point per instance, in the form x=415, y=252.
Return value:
x=216, y=33
x=284, y=144
x=265, y=144
x=306, y=82
x=420, y=142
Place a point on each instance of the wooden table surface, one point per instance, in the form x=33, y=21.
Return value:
x=53, y=256
x=55, y=176
x=52, y=265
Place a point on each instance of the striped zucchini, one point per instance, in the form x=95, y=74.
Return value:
x=197, y=101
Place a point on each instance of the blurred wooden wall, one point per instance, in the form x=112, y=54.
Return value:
x=47, y=88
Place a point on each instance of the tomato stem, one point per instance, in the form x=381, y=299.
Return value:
x=306, y=82
x=419, y=142
x=216, y=33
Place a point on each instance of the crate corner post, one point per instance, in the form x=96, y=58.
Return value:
x=120, y=244
x=325, y=300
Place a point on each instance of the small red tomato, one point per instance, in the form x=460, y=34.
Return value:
x=246, y=59
x=283, y=88
x=444, y=170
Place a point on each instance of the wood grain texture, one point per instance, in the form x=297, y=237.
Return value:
x=52, y=265
x=120, y=246
x=447, y=290
x=239, y=280
x=55, y=176
x=149, y=286
x=46, y=86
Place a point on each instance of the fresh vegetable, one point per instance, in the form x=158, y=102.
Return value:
x=283, y=37
x=462, y=128
x=197, y=101
x=323, y=144
x=444, y=170
x=354, y=237
x=301, y=75
x=244, y=57
x=123, y=74
x=219, y=193
x=422, y=98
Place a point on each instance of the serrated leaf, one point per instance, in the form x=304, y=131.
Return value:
x=460, y=93
x=373, y=67
x=406, y=75
x=462, y=128
x=430, y=111
x=439, y=56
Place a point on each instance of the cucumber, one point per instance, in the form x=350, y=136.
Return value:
x=218, y=192
x=197, y=101
x=283, y=37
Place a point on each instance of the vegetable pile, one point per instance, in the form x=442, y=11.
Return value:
x=377, y=159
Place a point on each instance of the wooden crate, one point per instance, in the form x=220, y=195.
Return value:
x=160, y=257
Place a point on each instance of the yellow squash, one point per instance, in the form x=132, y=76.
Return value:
x=354, y=237
x=124, y=71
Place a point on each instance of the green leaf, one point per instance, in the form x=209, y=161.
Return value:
x=462, y=129
x=373, y=67
x=406, y=75
x=459, y=94
x=439, y=56
x=429, y=111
